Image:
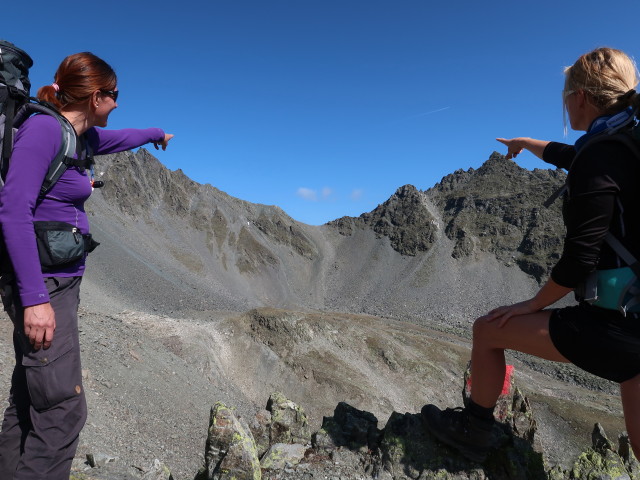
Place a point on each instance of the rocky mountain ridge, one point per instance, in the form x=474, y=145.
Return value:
x=496, y=209
x=236, y=255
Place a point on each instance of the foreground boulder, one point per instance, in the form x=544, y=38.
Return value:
x=602, y=461
x=350, y=446
x=350, y=428
x=230, y=451
x=282, y=422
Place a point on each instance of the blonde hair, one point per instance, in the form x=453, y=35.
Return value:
x=608, y=76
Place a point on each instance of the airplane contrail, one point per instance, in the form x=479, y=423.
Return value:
x=420, y=115
x=429, y=113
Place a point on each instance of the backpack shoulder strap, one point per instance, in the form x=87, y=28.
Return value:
x=623, y=253
x=7, y=135
x=70, y=144
x=631, y=139
x=64, y=157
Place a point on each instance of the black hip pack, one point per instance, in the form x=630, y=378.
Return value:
x=60, y=244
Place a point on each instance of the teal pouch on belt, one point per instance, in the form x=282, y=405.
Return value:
x=616, y=289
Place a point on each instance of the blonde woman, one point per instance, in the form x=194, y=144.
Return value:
x=602, y=200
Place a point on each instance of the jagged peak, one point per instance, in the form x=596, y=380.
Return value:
x=498, y=163
x=406, y=191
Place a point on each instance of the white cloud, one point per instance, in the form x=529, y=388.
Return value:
x=327, y=192
x=356, y=194
x=307, y=194
x=313, y=195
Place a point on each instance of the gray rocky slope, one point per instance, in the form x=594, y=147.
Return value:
x=196, y=297
x=172, y=244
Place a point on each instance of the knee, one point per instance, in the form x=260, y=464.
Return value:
x=78, y=412
x=482, y=330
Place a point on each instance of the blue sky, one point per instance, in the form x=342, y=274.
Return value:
x=325, y=108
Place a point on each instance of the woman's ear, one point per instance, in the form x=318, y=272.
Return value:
x=95, y=99
x=582, y=98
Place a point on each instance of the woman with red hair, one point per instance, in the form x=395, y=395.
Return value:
x=47, y=407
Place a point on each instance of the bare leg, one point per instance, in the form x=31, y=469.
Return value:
x=524, y=333
x=630, y=393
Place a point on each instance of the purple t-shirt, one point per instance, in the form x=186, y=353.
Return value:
x=36, y=144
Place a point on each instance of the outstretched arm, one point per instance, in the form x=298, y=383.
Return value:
x=515, y=146
x=105, y=141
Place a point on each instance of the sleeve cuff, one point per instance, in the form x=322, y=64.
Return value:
x=29, y=299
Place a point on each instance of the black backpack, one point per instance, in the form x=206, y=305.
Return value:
x=16, y=105
x=627, y=133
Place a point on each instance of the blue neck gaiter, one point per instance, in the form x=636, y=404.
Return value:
x=606, y=123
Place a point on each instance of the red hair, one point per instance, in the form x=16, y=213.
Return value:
x=78, y=76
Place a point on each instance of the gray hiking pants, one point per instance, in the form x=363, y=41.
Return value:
x=47, y=407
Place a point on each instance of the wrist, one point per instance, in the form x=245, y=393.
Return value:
x=526, y=142
x=536, y=303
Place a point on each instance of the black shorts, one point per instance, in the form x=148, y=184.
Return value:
x=600, y=341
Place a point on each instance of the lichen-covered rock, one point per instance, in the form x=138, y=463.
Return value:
x=594, y=465
x=599, y=439
x=157, y=471
x=99, y=459
x=289, y=423
x=230, y=451
x=281, y=455
x=603, y=461
x=409, y=451
x=260, y=426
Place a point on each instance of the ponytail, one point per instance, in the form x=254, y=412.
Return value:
x=634, y=99
x=49, y=94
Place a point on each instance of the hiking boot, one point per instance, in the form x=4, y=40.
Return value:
x=457, y=428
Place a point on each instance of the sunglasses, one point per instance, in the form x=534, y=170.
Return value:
x=566, y=94
x=112, y=93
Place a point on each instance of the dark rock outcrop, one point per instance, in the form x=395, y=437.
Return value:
x=496, y=209
x=404, y=219
x=499, y=209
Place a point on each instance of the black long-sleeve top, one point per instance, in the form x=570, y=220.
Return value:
x=603, y=195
